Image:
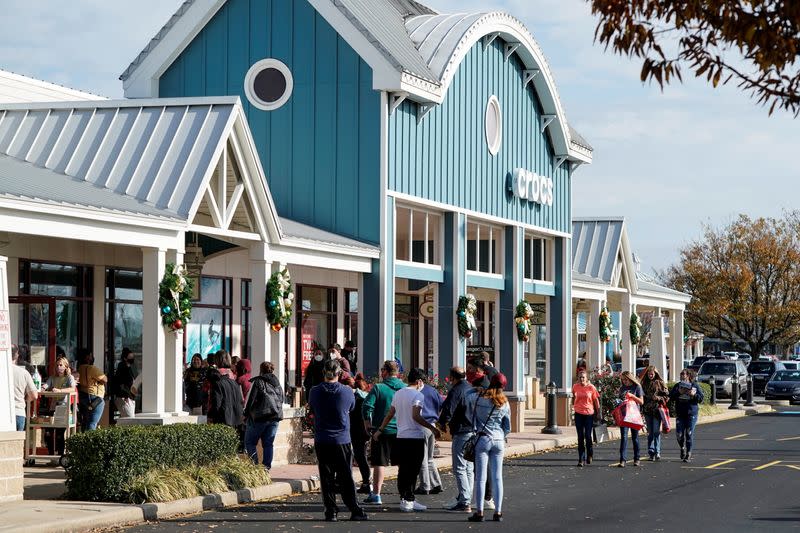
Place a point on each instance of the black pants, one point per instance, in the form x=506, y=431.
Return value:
x=584, y=423
x=335, y=462
x=360, y=455
x=410, y=454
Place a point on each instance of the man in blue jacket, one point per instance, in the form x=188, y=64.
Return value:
x=430, y=482
x=457, y=415
x=331, y=403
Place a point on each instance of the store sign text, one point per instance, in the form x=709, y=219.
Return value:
x=532, y=187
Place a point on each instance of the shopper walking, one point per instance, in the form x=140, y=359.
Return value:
x=24, y=389
x=376, y=405
x=263, y=413
x=91, y=390
x=430, y=482
x=492, y=421
x=359, y=434
x=655, y=397
x=457, y=412
x=410, y=444
x=331, y=403
x=586, y=404
x=631, y=389
x=687, y=396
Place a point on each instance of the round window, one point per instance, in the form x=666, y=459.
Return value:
x=493, y=125
x=268, y=84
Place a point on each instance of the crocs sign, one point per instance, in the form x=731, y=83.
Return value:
x=532, y=187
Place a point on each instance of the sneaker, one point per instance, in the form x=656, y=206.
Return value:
x=621, y=464
x=651, y=456
x=688, y=458
x=406, y=507
x=477, y=517
x=435, y=490
x=459, y=507
x=365, y=488
x=636, y=462
x=580, y=464
x=418, y=506
x=373, y=499
x=658, y=457
x=421, y=491
x=488, y=504
x=359, y=517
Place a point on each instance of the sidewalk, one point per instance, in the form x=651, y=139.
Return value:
x=40, y=512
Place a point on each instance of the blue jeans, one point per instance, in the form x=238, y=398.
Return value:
x=462, y=469
x=489, y=456
x=90, y=418
x=623, y=444
x=20, y=423
x=653, y=434
x=684, y=430
x=584, y=424
x=265, y=432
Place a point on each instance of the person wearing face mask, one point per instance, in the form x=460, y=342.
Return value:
x=91, y=390
x=315, y=371
x=124, y=391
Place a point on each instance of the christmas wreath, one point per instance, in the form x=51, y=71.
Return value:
x=605, y=325
x=467, y=307
x=636, y=329
x=279, y=299
x=174, y=297
x=522, y=318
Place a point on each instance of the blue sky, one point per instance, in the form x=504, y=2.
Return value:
x=667, y=162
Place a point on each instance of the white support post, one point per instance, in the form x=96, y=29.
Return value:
x=627, y=349
x=153, y=341
x=7, y=414
x=277, y=341
x=676, y=334
x=99, y=317
x=658, y=344
x=260, y=341
x=594, y=348
x=575, y=348
x=173, y=357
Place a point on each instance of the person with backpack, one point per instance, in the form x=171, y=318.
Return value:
x=263, y=413
x=376, y=405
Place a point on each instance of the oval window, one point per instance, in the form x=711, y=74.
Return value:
x=268, y=84
x=493, y=125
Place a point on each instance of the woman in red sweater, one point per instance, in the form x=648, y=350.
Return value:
x=586, y=402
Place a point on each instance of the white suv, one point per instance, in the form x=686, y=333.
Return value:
x=723, y=373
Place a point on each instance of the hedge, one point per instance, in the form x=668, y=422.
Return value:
x=101, y=464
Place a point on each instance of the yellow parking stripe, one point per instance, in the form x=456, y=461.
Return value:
x=762, y=467
x=736, y=436
x=793, y=466
x=788, y=438
x=721, y=463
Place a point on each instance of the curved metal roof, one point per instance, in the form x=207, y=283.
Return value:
x=437, y=36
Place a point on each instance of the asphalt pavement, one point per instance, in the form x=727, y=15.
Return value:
x=744, y=477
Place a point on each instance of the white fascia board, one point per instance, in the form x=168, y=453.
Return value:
x=341, y=250
x=655, y=299
x=143, y=81
x=587, y=292
x=330, y=260
x=94, y=230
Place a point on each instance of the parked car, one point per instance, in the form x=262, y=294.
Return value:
x=761, y=372
x=698, y=362
x=732, y=356
x=724, y=372
x=791, y=365
x=745, y=358
x=784, y=385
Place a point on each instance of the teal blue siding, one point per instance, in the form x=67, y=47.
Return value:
x=445, y=158
x=321, y=150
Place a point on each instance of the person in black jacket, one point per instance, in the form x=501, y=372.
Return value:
x=226, y=400
x=124, y=391
x=263, y=412
x=358, y=431
x=457, y=415
x=687, y=396
x=314, y=372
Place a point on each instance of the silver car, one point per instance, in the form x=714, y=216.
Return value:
x=784, y=385
x=724, y=372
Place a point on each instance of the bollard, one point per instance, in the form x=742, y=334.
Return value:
x=713, y=383
x=749, y=402
x=551, y=425
x=735, y=392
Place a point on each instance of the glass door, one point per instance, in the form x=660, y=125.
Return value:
x=33, y=330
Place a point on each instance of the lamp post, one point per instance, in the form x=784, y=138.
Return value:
x=551, y=426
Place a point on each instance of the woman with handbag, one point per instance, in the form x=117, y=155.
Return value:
x=655, y=397
x=586, y=404
x=493, y=416
x=630, y=391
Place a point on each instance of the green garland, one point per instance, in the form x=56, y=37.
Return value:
x=635, y=329
x=522, y=319
x=174, y=297
x=279, y=300
x=605, y=325
x=467, y=307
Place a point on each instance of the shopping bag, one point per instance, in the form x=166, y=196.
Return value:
x=618, y=414
x=633, y=416
x=666, y=423
x=600, y=432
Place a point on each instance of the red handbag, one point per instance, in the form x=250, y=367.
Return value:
x=618, y=414
x=666, y=423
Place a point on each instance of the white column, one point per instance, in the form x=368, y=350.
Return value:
x=626, y=348
x=700, y=346
x=153, y=339
x=594, y=348
x=99, y=320
x=259, y=275
x=173, y=357
x=676, y=332
x=575, y=351
x=236, y=330
x=7, y=415
x=658, y=343
x=277, y=340
x=341, y=307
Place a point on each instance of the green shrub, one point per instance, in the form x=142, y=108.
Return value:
x=162, y=485
x=208, y=479
x=705, y=387
x=103, y=463
x=241, y=473
x=607, y=384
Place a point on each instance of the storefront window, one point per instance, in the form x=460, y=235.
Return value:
x=536, y=258
x=245, y=319
x=483, y=248
x=210, y=327
x=484, y=321
x=316, y=323
x=351, y=315
x=418, y=236
x=406, y=330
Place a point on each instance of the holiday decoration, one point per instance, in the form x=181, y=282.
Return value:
x=522, y=320
x=174, y=297
x=467, y=307
x=279, y=300
x=636, y=329
x=605, y=325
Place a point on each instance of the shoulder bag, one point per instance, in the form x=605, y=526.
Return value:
x=472, y=441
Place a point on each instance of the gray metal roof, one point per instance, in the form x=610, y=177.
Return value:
x=647, y=284
x=578, y=139
x=595, y=246
x=437, y=36
x=585, y=278
x=148, y=157
x=16, y=88
x=297, y=230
